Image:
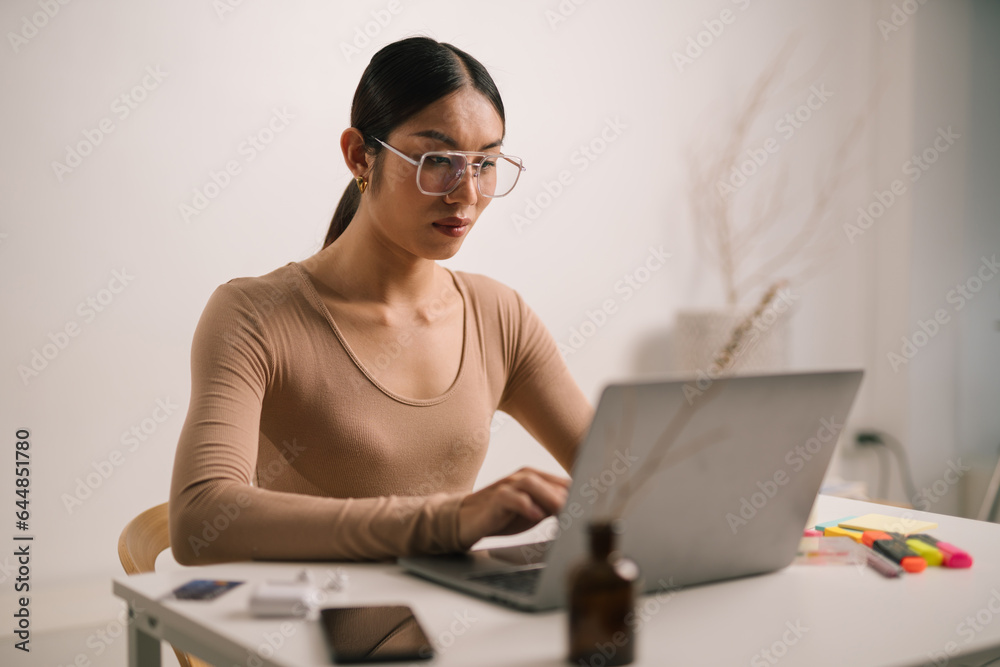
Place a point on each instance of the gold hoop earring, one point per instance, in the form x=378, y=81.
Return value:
x=362, y=183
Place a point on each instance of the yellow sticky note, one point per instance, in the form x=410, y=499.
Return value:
x=888, y=524
x=840, y=531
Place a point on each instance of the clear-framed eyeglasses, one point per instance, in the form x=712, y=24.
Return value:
x=440, y=172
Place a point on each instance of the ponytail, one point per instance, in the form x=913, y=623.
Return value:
x=400, y=81
x=346, y=209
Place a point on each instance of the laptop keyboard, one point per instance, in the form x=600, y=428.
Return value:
x=518, y=581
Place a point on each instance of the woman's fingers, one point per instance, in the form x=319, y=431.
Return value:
x=517, y=500
x=512, y=504
x=547, y=476
x=547, y=491
x=532, y=494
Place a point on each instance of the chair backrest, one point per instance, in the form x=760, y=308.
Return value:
x=142, y=540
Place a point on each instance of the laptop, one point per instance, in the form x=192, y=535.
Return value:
x=710, y=479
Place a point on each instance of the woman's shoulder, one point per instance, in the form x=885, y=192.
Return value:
x=487, y=288
x=285, y=279
x=262, y=294
x=496, y=301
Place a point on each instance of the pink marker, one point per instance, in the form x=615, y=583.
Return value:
x=952, y=556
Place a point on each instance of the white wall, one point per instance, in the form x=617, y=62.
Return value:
x=939, y=391
x=978, y=422
x=63, y=239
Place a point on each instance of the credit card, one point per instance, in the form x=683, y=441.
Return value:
x=204, y=589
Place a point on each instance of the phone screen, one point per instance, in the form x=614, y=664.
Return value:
x=374, y=634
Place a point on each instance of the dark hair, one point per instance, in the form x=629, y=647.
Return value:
x=400, y=81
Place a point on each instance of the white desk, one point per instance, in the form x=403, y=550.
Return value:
x=843, y=615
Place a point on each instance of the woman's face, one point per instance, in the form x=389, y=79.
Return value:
x=433, y=227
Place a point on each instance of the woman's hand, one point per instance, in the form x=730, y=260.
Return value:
x=511, y=505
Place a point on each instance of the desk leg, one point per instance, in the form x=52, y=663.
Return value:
x=143, y=648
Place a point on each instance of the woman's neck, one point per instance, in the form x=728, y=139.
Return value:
x=361, y=267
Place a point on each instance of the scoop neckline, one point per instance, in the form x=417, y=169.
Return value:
x=317, y=302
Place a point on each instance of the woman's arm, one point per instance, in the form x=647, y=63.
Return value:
x=556, y=414
x=542, y=395
x=217, y=515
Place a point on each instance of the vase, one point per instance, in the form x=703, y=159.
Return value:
x=701, y=334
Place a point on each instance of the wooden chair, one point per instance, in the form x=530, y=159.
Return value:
x=140, y=543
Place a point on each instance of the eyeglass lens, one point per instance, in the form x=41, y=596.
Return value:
x=439, y=173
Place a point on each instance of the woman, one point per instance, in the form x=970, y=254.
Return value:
x=340, y=406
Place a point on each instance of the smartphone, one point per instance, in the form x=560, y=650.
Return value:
x=374, y=634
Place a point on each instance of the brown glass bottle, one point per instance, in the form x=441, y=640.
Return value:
x=601, y=603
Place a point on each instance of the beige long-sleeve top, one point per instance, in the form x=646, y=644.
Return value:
x=292, y=449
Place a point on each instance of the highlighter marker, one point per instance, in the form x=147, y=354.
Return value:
x=882, y=565
x=869, y=536
x=837, y=531
x=932, y=555
x=951, y=555
x=898, y=552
